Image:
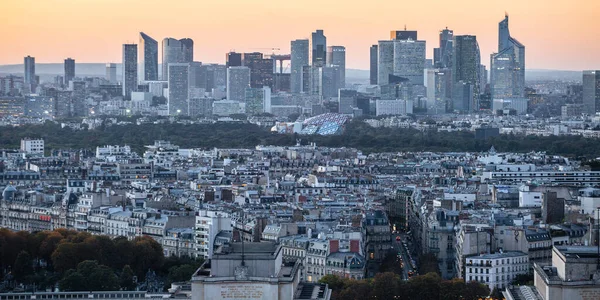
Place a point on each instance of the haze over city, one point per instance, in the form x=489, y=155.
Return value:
x=558, y=34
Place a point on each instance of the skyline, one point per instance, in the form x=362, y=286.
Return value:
x=95, y=31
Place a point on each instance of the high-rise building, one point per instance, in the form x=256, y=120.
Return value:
x=409, y=60
x=69, y=70
x=130, y=79
x=403, y=35
x=507, y=67
x=373, y=65
x=148, y=58
x=318, y=46
x=176, y=51
x=258, y=100
x=261, y=69
x=30, y=79
x=111, y=73
x=439, y=85
x=462, y=97
x=442, y=56
x=233, y=59
x=466, y=61
x=238, y=80
x=347, y=101
x=179, y=88
x=385, y=61
x=591, y=92
x=336, y=56
x=329, y=81
x=299, y=59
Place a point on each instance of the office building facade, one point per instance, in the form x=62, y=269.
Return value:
x=373, y=65
x=179, y=88
x=466, y=61
x=299, y=59
x=507, y=66
x=69, y=70
x=176, y=51
x=385, y=61
x=442, y=56
x=591, y=92
x=129, y=70
x=148, y=58
x=30, y=78
x=409, y=60
x=318, y=46
x=111, y=73
x=336, y=56
x=238, y=80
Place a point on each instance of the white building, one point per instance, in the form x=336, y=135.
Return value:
x=518, y=104
x=32, y=146
x=496, y=270
x=110, y=150
x=208, y=225
x=529, y=198
x=393, y=107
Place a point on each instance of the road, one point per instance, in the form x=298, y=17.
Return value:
x=407, y=266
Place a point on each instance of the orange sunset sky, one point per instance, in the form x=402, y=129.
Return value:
x=558, y=34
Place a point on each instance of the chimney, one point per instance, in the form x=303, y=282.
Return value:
x=334, y=246
x=355, y=246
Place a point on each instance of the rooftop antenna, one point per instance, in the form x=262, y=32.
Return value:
x=404, y=27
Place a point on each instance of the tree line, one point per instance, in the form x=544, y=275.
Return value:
x=391, y=286
x=357, y=134
x=79, y=261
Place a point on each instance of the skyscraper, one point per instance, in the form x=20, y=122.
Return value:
x=179, y=88
x=466, y=62
x=318, y=46
x=299, y=59
x=176, y=51
x=507, y=67
x=409, y=60
x=591, y=92
x=438, y=91
x=238, y=80
x=130, y=79
x=30, y=71
x=69, y=70
x=148, y=58
x=261, y=69
x=336, y=56
x=111, y=73
x=442, y=56
x=373, y=65
x=233, y=59
x=385, y=62
x=258, y=100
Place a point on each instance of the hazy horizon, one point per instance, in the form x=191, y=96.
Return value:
x=557, y=35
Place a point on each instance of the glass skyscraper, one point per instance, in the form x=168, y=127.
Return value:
x=591, y=92
x=507, y=66
x=466, y=61
x=318, y=43
x=130, y=78
x=176, y=51
x=299, y=59
x=148, y=58
x=69, y=70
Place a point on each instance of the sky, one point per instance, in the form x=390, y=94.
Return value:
x=557, y=34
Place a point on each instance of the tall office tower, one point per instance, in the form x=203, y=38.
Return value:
x=318, y=46
x=258, y=100
x=591, y=92
x=483, y=78
x=439, y=85
x=129, y=66
x=233, y=59
x=329, y=80
x=148, y=58
x=299, y=59
x=462, y=97
x=111, y=73
x=261, y=69
x=238, y=80
x=347, y=101
x=507, y=67
x=30, y=79
x=69, y=70
x=409, y=60
x=176, y=51
x=442, y=56
x=466, y=60
x=78, y=108
x=385, y=62
x=179, y=88
x=336, y=56
x=373, y=65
